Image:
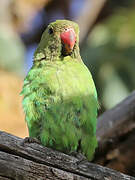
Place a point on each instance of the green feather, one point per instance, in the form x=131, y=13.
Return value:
x=60, y=99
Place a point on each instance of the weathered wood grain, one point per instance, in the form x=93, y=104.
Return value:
x=4, y=178
x=20, y=168
x=33, y=161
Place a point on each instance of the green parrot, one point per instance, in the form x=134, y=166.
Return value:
x=60, y=98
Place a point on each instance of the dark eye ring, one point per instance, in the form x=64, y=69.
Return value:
x=50, y=31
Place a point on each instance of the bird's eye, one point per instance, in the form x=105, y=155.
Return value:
x=50, y=31
x=66, y=29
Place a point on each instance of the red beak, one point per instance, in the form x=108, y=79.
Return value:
x=68, y=39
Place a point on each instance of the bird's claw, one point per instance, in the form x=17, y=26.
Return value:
x=30, y=140
x=81, y=158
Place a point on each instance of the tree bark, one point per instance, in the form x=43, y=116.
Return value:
x=34, y=162
x=116, y=136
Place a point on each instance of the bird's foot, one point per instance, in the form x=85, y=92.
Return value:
x=30, y=140
x=81, y=158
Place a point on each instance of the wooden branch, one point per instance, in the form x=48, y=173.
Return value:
x=35, y=162
x=118, y=120
x=116, y=135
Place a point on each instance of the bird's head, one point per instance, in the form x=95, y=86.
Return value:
x=60, y=39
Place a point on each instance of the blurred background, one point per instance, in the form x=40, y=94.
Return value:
x=107, y=42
